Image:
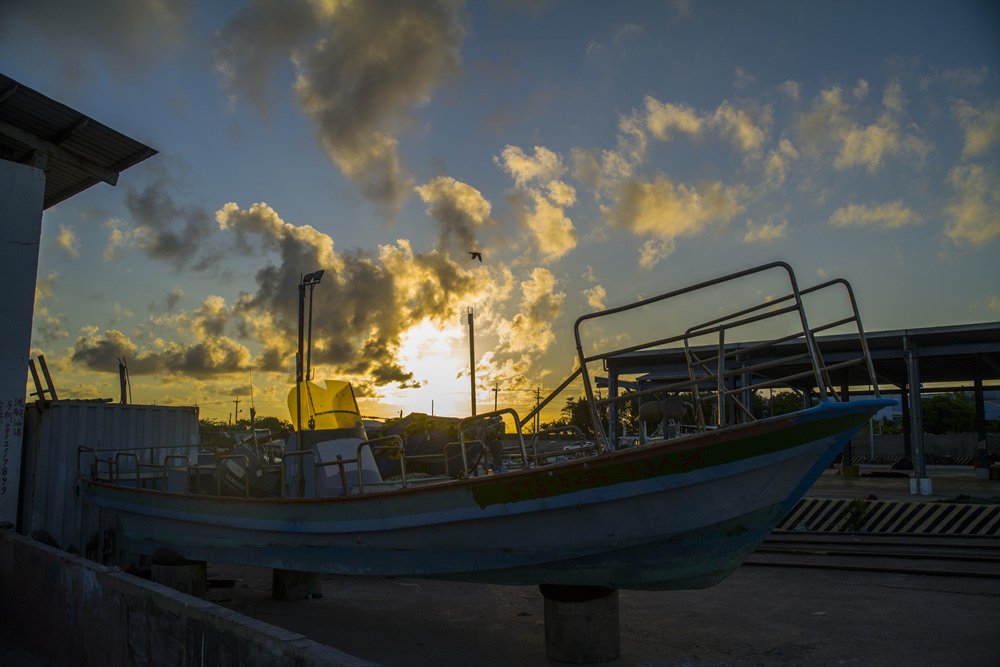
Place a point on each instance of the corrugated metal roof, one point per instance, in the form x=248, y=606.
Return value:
x=81, y=151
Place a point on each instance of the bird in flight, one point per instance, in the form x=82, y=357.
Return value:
x=476, y=255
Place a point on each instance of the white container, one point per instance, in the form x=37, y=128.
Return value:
x=53, y=434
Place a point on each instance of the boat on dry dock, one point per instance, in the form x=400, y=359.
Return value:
x=678, y=509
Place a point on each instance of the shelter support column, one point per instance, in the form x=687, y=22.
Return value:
x=982, y=455
x=22, y=188
x=919, y=483
x=904, y=402
x=614, y=423
x=848, y=468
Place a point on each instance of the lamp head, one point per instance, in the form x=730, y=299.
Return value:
x=312, y=278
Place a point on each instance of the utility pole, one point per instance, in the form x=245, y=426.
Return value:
x=496, y=394
x=538, y=399
x=236, y=410
x=472, y=361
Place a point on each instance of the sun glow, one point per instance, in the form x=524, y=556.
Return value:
x=438, y=357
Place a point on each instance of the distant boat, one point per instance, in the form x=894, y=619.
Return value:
x=680, y=511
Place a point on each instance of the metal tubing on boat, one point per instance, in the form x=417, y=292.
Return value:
x=496, y=413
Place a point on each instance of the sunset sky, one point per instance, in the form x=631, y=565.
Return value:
x=595, y=152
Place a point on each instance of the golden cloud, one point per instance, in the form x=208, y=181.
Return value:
x=974, y=212
x=891, y=215
x=665, y=210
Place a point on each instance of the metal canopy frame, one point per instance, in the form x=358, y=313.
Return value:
x=947, y=354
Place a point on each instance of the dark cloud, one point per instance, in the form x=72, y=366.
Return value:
x=166, y=230
x=258, y=40
x=100, y=352
x=85, y=40
x=362, y=69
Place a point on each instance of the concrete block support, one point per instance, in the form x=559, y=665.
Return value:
x=295, y=585
x=581, y=623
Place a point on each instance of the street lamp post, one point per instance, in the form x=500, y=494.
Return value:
x=309, y=280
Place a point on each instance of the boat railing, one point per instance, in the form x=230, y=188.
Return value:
x=721, y=374
x=577, y=444
x=716, y=367
x=141, y=466
x=469, y=421
x=391, y=442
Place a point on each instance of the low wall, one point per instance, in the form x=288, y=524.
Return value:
x=957, y=445
x=74, y=612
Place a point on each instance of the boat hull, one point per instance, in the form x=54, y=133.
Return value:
x=680, y=514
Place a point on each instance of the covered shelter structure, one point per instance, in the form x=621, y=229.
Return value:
x=48, y=153
x=907, y=362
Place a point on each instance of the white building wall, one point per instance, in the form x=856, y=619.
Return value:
x=21, y=194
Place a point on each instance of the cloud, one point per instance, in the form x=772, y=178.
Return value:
x=860, y=91
x=541, y=211
x=766, y=232
x=117, y=237
x=362, y=69
x=667, y=211
x=743, y=79
x=162, y=228
x=530, y=330
x=553, y=233
x=653, y=251
x=737, y=126
x=829, y=125
x=973, y=214
x=169, y=304
x=363, y=304
x=100, y=352
x=663, y=118
x=963, y=80
x=791, y=90
x=124, y=37
x=174, y=298
x=981, y=126
x=262, y=36
x=776, y=165
x=596, y=296
x=47, y=327
x=68, y=242
x=459, y=210
x=210, y=317
x=891, y=215
x=604, y=170
x=544, y=165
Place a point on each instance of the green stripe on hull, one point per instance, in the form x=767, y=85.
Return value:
x=639, y=464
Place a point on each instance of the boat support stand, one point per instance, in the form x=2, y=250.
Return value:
x=581, y=623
